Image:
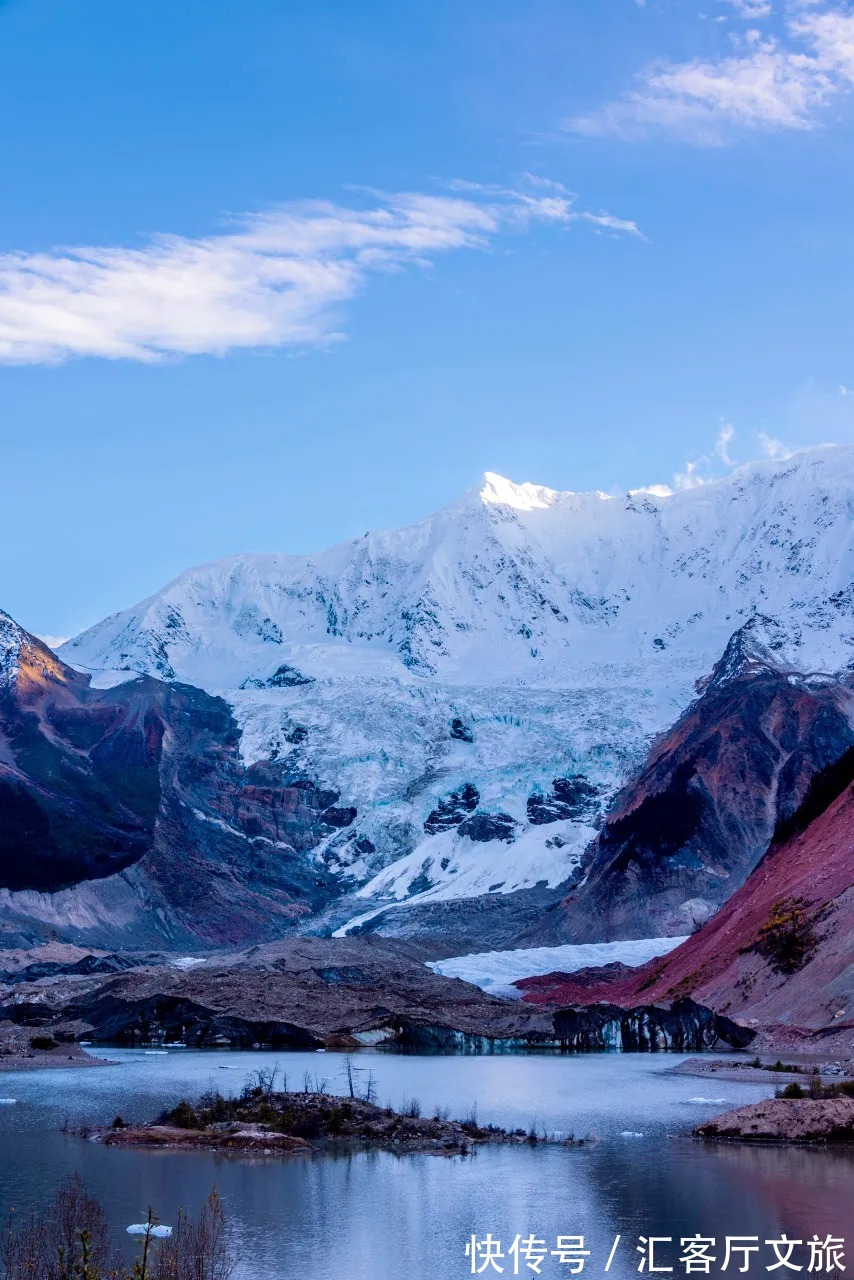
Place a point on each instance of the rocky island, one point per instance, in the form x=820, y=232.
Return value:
x=265, y=1121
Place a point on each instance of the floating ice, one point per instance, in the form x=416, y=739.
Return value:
x=143, y=1229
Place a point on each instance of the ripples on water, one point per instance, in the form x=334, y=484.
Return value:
x=377, y=1215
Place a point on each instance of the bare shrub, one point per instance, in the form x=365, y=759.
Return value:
x=69, y=1240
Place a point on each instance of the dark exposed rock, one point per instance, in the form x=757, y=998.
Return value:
x=338, y=817
x=683, y=1027
x=284, y=677
x=92, y=964
x=171, y=1018
x=425, y=1037
x=460, y=731
x=573, y=797
x=488, y=826
x=450, y=811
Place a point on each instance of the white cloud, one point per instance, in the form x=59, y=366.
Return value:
x=724, y=440
x=768, y=83
x=751, y=10
x=276, y=279
x=702, y=469
x=774, y=448
x=690, y=476
x=707, y=466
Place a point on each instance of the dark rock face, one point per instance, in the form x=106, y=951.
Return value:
x=85, y=967
x=284, y=677
x=80, y=785
x=682, y=1027
x=460, y=731
x=147, y=777
x=297, y=813
x=172, y=1019
x=482, y=827
x=572, y=797
x=451, y=811
x=688, y=831
x=430, y=1037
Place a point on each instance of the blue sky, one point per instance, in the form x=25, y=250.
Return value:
x=273, y=274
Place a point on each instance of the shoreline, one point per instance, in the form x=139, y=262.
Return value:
x=13, y=1065
x=742, y=1072
x=785, y=1122
x=65, y=1057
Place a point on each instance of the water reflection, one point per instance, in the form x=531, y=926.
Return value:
x=377, y=1215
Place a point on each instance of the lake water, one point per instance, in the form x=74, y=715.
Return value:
x=376, y=1215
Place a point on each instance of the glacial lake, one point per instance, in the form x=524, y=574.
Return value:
x=376, y=1215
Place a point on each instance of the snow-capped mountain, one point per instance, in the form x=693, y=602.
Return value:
x=478, y=685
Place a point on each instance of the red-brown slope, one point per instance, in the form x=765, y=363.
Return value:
x=806, y=883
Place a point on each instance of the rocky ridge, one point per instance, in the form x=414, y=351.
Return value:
x=779, y=952
x=311, y=993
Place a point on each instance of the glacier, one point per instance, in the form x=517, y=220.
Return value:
x=518, y=636
x=496, y=971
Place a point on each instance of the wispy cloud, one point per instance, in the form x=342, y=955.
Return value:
x=277, y=279
x=723, y=442
x=691, y=475
x=774, y=448
x=718, y=461
x=706, y=467
x=751, y=10
x=767, y=83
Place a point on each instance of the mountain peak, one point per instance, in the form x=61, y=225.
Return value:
x=497, y=490
x=756, y=646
